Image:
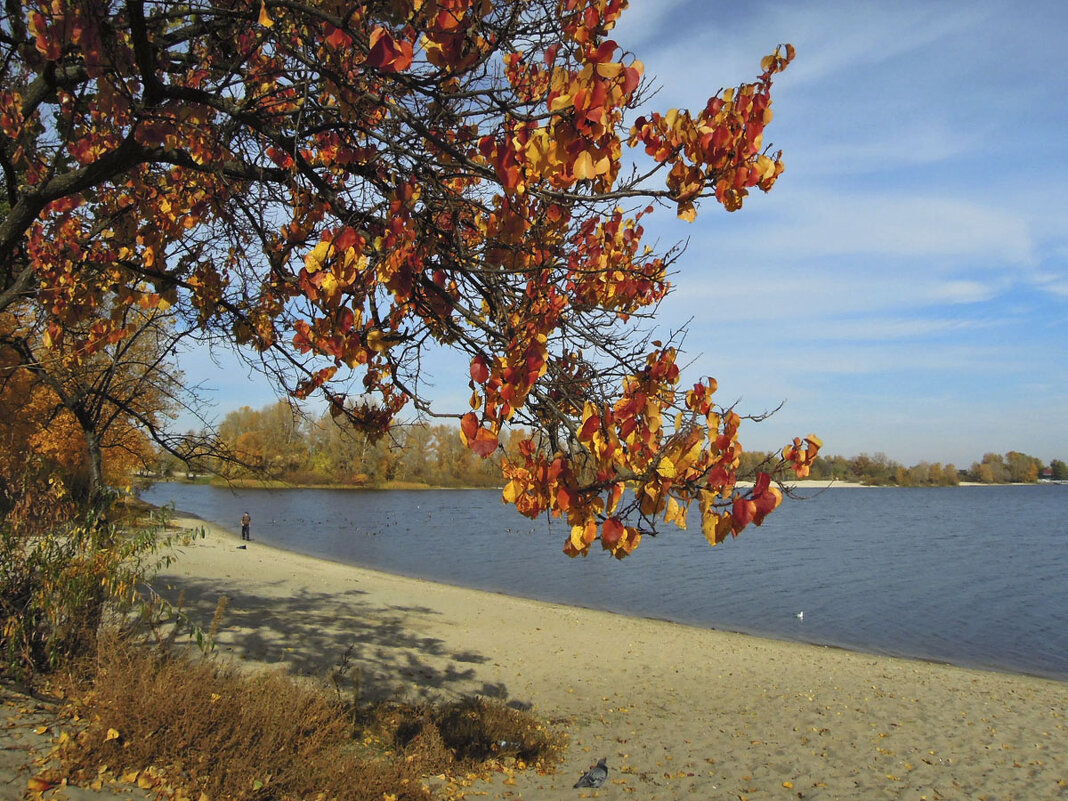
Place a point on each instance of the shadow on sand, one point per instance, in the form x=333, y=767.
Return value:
x=366, y=648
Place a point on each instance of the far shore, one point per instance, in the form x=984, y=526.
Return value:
x=679, y=712
x=411, y=486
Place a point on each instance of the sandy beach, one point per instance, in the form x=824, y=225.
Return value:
x=679, y=712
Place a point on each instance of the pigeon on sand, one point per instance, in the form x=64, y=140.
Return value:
x=595, y=776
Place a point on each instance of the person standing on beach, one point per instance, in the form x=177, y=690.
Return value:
x=246, y=521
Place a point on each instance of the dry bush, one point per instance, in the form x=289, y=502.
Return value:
x=213, y=729
x=464, y=734
x=208, y=727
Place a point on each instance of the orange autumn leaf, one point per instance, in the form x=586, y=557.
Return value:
x=265, y=18
x=611, y=533
x=484, y=443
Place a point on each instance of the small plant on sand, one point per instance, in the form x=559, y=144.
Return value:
x=60, y=573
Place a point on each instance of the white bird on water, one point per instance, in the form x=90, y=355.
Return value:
x=800, y=615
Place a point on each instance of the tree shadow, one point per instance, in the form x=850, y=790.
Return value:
x=367, y=649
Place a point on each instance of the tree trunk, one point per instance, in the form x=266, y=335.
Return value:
x=96, y=469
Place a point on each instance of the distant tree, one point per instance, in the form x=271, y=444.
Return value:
x=271, y=441
x=950, y=475
x=1023, y=469
x=991, y=470
x=1059, y=470
x=920, y=474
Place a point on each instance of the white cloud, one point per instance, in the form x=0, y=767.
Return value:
x=892, y=224
x=892, y=328
x=919, y=143
x=832, y=39
x=872, y=229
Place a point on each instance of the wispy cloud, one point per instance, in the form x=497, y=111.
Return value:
x=819, y=223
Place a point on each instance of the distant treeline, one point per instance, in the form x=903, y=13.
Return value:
x=878, y=470
x=279, y=443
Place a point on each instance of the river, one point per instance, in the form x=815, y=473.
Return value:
x=976, y=576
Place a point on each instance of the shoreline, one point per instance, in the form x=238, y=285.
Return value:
x=802, y=484
x=774, y=636
x=677, y=710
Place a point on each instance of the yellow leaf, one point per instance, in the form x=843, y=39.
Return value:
x=584, y=167
x=714, y=525
x=329, y=285
x=676, y=513
x=687, y=211
x=666, y=468
x=41, y=729
x=376, y=341
x=265, y=18
x=113, y=734
x=561, y=101
x=313, y=262
x=609, y=69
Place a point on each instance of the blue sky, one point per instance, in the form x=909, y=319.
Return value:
x=904, y=287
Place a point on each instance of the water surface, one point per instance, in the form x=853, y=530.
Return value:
x=976, y=576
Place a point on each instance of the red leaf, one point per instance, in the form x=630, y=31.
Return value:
x=611, y=533
x=742, y=514
x=468, y=427
x=604, y=52
x=479, y=370
x=589, y=428
x=386, y=53
x=337, y=38
x=345, y=239
x=484, y=443
x=344, y=319
x=762, y=483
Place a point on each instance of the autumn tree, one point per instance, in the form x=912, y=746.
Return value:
x=340, y=185
x=89, y=414
x=271, y=441
x=1023, y=469
x=69, y=423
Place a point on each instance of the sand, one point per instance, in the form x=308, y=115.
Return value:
x=679, y=712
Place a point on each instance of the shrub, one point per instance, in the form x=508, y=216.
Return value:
x=59, y=573
x=186, y=720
